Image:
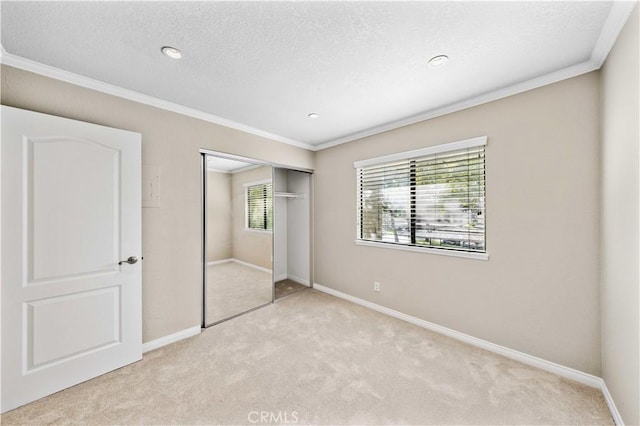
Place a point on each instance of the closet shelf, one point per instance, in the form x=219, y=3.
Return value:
x=289, y=195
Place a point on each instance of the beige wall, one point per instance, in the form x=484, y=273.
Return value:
x=538, y=293
x=253, y=247
x=171, y=234
x=620, y=297
x=219, y=223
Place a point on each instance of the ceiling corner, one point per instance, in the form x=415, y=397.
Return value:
x=544, y=80
x=618, y=16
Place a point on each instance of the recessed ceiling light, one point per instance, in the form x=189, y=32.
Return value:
x=172, y=52
x=313, y=115
x=438, y=61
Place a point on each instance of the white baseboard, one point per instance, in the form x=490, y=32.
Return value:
x=561, y=370
x=299, y=280
x=251, y=265
x=241, y=262
x=260, y=268
x=171, y=338
x=292, y=278
x=218, y=262
x=617, y=418
x=552, y=367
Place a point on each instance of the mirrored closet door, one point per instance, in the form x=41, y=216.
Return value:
x=238, y=237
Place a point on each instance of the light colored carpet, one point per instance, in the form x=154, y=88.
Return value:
x=287, y=287
x=320, y=360
x=234, y=288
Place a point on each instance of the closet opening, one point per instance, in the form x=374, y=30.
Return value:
x=292, y=237
x=256, y=234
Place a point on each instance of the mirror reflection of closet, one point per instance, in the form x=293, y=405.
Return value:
x=292, y=248
x=238, y=237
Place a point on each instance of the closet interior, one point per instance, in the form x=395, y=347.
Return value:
x=291, y=243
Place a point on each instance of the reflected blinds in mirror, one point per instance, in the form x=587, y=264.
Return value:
x=260, y=206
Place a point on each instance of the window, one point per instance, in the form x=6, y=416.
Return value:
x=259, y=206
x=431, y=199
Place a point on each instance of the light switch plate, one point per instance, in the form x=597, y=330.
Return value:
x=150, y=185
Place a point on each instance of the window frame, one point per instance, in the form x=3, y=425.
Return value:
x=416, y=155
x=246, y=187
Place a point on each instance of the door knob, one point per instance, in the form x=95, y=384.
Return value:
x=131, y=260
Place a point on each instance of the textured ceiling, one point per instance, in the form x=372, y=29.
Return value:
x=221, y=164
x=360, y=65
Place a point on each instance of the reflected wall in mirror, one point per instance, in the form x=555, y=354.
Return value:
x=239, y=235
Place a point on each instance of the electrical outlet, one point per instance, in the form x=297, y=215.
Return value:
x=376, y=286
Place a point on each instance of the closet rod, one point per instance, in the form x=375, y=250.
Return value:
x=289, y=195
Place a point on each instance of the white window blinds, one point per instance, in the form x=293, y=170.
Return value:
x=259, y=206
x=432, y=198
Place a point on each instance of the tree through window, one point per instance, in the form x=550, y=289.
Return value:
x=433, y=198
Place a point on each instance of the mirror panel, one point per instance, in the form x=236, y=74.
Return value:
x=238, y=237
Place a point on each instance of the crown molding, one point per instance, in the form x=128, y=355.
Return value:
x=212, y=169
x=234, y=171
x=563, y=74
x=246, y=168
x=99, y=86
x=618, y=16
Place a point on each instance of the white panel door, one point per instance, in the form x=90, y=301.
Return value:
x=70, y=213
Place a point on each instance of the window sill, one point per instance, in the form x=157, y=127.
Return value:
x=258, y=231
x=453, y=253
